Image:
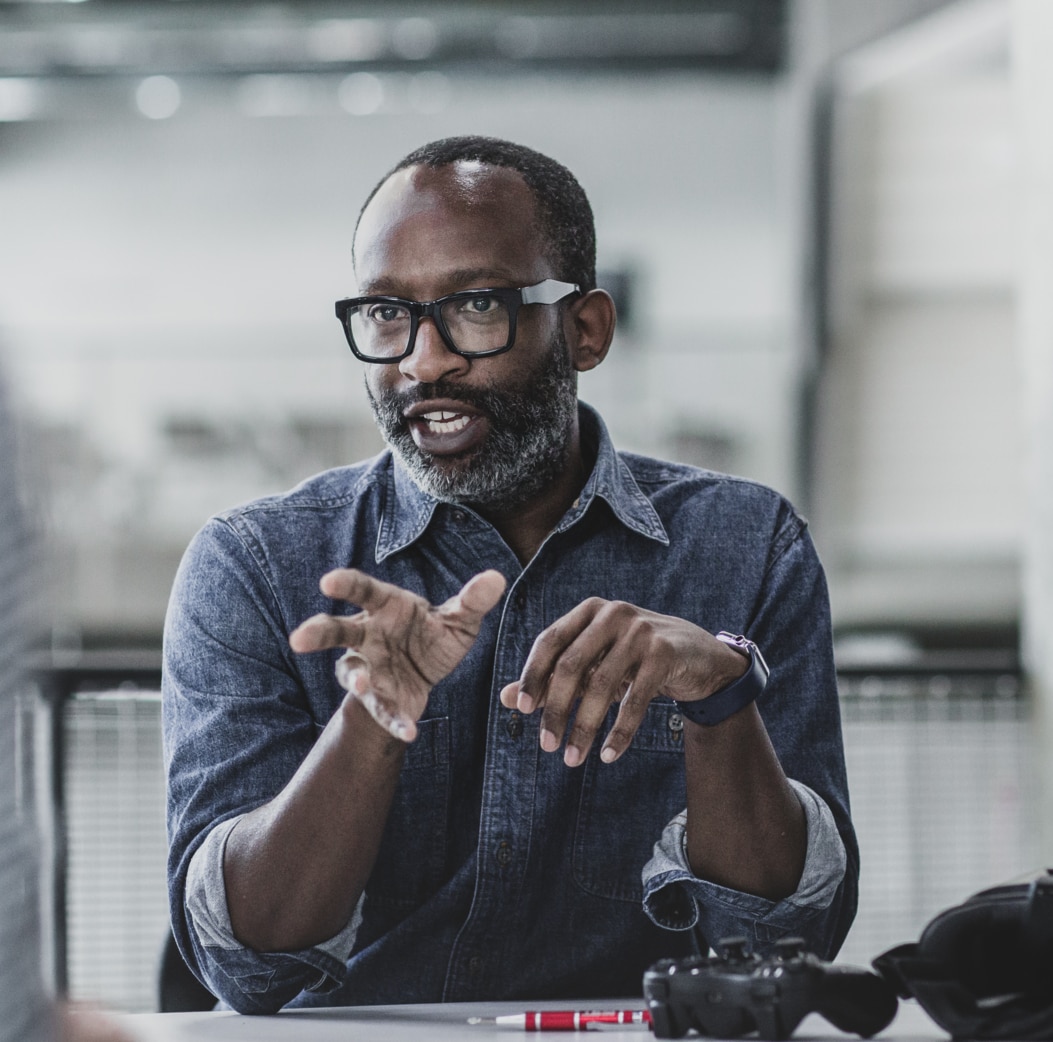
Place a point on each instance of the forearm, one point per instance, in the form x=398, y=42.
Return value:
x=746, y=829
x=295, y=867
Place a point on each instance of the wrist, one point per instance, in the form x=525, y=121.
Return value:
x=729, y=666
x=742, y=690
x=359, y=721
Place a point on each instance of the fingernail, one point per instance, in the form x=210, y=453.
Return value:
x=549, y=742
x=525, y=703
x=572, y=757
x=608, y=755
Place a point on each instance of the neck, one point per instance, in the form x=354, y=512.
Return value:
x=526, y=528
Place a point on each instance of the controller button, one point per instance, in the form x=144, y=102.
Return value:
x=733, y=949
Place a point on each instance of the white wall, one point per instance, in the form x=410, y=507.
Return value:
x=920, y=496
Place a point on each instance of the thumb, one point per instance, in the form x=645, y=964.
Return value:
x=478, y=595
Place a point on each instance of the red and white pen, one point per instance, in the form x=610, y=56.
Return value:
x=567, y=1020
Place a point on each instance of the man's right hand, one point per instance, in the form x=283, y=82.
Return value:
x=403, y=645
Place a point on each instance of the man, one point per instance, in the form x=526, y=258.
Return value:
x=499, y=586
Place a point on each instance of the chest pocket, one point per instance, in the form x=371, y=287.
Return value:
x=625, y=805
x=412, y=853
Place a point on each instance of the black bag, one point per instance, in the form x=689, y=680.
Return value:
x=984, y=969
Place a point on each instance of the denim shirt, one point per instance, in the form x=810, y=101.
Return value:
x=502, y=873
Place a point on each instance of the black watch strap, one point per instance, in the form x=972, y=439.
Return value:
x=737, y=695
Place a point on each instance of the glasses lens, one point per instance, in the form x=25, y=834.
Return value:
x=379, y=329
x=477, y=322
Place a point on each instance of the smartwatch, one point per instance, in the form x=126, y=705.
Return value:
x=738, y=694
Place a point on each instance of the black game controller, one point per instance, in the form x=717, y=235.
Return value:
x=734, y=993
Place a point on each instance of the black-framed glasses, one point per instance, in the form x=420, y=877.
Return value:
x=474, y=323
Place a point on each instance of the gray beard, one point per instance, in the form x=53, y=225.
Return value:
x=526, y=450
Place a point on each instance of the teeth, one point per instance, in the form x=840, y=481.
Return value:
x=443, y=422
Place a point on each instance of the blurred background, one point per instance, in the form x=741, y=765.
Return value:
x=827, y=227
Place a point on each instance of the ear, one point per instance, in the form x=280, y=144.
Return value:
x=591, y=319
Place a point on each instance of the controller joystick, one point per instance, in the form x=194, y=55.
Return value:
x=735, y=993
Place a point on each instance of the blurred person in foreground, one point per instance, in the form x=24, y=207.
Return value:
x=27, y=1012
x=546, y=764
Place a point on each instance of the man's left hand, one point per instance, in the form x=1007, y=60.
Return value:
x=609, y=651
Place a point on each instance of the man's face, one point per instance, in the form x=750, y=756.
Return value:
x=494, y=432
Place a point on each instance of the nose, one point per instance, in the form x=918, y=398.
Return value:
x=431, y=359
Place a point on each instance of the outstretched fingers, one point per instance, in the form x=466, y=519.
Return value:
x=399, y=645
x=355, y=587
x=478, y=595
x=326, y=631
x=335, y=631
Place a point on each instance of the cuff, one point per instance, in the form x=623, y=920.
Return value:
x=675, y=899
x=206, y=901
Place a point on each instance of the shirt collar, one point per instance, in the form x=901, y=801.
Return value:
x=612, y=481
x=407, y=510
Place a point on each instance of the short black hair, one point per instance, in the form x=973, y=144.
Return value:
x=564, y=214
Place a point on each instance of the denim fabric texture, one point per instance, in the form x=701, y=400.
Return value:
x=502, y=873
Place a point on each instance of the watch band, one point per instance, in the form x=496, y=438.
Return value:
x=738, y=694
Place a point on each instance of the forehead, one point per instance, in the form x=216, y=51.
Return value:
x=427, y=223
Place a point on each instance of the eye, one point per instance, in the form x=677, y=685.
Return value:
x=381, y=314
x=488, y=307
x=481, y=305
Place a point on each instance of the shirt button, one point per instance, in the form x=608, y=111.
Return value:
x=475, y=964
x=521, y=600
x=514, y=727
x=676, y=723
x=460, y=516
x=503, y=853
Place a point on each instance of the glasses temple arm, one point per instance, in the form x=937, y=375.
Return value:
x=551, y=291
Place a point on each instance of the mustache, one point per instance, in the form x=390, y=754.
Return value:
x=395, y=403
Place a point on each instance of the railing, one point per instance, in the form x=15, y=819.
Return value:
x=89, y=769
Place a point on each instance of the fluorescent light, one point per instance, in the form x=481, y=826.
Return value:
x=346, y=39
x=415, y=38
x=361, y=93
x=158, y=97
x=18, y=99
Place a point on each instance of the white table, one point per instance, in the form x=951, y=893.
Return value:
x=445, y=1021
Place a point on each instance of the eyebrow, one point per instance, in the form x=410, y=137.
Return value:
x=466, y=278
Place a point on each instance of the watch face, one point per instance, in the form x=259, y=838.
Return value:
x=746, y=646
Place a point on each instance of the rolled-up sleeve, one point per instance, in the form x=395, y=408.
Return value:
x=236, y=727
x=676, y=899
x=790, y=620
x=225, y=957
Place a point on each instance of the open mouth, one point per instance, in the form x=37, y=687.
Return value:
x=447, y=429
x=443, y=422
